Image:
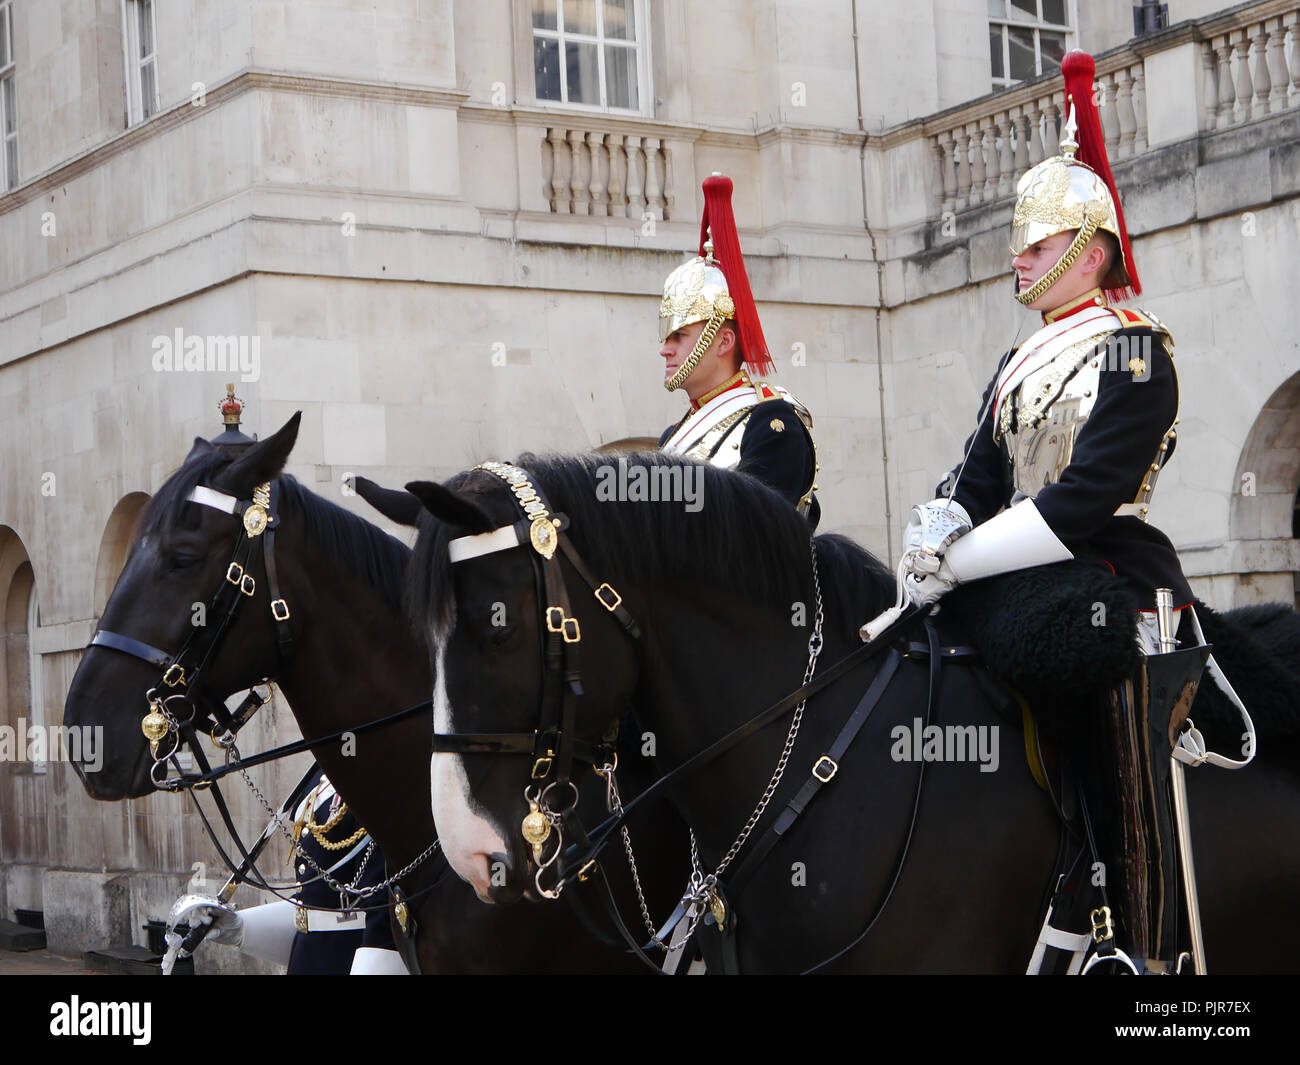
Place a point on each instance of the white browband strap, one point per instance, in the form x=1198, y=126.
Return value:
x=214, y=499
x=466, y=547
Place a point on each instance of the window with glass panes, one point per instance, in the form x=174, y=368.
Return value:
x=1028, y=38
x=138, y=39
x=8, y=103
x=591, y=53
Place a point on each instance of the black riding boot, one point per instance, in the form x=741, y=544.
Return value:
x=1128, y=789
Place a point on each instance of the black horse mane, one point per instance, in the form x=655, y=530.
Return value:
x=745, y=540
x=374, y=556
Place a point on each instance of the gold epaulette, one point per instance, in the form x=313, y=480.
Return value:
x=1140, y=319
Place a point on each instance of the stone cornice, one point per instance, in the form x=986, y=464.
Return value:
x=251, y=79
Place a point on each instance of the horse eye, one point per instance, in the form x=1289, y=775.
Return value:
x=185, y=561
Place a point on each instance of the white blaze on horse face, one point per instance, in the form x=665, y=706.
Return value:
x=467, y=835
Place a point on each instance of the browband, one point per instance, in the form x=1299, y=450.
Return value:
x=505, y=538
x=211, y=498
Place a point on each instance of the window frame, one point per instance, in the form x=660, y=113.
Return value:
x=135, y=63
x=640, y=45
x=1037, y=24
x=8, y=90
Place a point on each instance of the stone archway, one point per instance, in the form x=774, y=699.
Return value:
x=17, y=596
x=114, y=545
x=1263, y=512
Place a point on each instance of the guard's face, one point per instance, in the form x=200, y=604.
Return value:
x=678, y=347
x=1032, y=263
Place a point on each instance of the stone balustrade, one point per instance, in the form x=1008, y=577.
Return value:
x=619, y=175
x=1251, y=71
x=1250, y=68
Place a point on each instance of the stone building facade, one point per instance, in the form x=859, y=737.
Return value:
x=441, y=227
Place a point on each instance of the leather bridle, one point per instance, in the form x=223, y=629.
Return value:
x=554, y=747
x=554, y=744
x=183, y=670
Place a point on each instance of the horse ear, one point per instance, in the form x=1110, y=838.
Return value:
x=264, y=461
x=201, y=447
x=451, y=507
x=401, y=507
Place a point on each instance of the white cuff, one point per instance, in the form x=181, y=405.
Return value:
x=269, y=931
x=377, y=961
x=1015, y=539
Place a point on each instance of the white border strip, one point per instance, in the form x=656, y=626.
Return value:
x=211, y=498
x=467, y=547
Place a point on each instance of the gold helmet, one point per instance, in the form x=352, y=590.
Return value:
x=1074, y=191
x=713, y=290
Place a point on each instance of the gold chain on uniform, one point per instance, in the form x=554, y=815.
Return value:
x=308, y=821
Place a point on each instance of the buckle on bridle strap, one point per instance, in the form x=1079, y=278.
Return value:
x=174, y=681
x=607, y=589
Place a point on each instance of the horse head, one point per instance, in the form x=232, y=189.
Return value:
x=514, y=635
x=183, y=553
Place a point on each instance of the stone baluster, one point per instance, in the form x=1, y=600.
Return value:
x=1209, y=87
x=563, y=168
x=654, y=178
x=1260, y=77
x=1020, y=122
x=1006, y=160
x=548, y=169
x=1108, y=112
x=947, y=170
x=617, y=176
x=977, y=168
x=581, y=172
x=1278, y=77
x=669, y=184
x=992, y=160
x=1124, y=117
x=1054, y=117
x=962, y=140
x=635, y=178
x=1227, y=89
x=1241, y=77
x=599, y=173
x=1139, y=108
x=1291, y=22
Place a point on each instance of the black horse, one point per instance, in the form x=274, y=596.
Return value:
x=355, y=659
x=948, y=868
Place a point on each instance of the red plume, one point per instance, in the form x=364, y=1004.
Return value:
x=726, y=249
x=1079, y=70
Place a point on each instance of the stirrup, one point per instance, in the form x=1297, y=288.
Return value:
x=1124, y=963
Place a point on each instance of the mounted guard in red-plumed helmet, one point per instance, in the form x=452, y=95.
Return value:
x=1075, y=428
x=714, y=349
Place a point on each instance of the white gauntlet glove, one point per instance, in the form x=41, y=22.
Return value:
x=931, y=530
x=196, y=910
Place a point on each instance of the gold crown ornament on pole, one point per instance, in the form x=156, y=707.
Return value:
x=1074, y=191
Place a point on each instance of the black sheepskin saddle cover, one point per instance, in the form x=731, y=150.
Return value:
x=1063, y=635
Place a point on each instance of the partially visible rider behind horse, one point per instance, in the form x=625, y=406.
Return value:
x=310, y=933
x=1074, y=429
